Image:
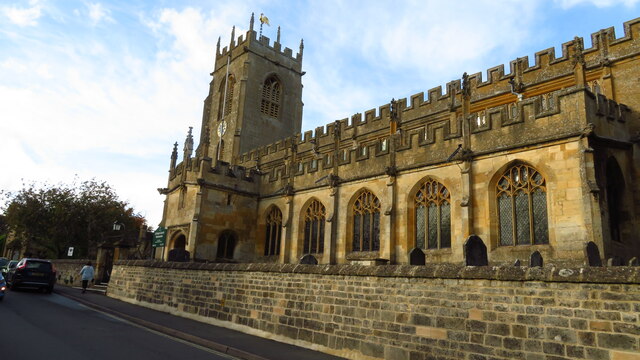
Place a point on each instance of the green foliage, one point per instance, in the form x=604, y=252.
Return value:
x=48, y=219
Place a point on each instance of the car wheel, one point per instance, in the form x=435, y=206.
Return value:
x=49, y=289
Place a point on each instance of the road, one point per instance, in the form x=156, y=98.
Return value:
x=49, y=326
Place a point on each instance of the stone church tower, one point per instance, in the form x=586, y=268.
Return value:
x=255, y=96
x=254, y=99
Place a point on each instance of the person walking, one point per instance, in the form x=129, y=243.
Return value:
x=87, y=273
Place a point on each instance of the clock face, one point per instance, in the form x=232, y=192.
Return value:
x=222, y=128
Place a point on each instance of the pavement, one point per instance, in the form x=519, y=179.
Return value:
x=227, y=341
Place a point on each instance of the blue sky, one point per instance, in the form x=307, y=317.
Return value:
x=102, y=89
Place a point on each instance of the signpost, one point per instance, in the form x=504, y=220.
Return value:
x=70, y=251
x=159, y=237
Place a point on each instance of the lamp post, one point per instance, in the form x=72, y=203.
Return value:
x=118, y=226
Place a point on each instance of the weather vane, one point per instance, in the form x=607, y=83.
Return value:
x=263, y=20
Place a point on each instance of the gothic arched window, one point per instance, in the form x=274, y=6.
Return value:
x=433, y=216
x=522, y=206
x=314, y=218
x=271, y=92
x=272, y=238
x=366, y=222
x=226, y=245
x=225, y=106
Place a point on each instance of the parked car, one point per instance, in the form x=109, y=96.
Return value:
x=3, y=262
x=4, y=269
x=3, y=287
x=32, y=273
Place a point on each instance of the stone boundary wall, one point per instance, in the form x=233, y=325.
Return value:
x=404, y=312
x=67, y=271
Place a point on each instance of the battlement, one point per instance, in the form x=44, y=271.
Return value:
x=258, y=43
x=363, y=143
x=196, y=169
x=438, y=117
x=234, y=171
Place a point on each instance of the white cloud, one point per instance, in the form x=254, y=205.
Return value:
x=421, y=43
x=23, y=16
x=98, y=13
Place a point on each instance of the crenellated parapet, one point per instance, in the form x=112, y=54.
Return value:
x=262, y=46
x=201, y=171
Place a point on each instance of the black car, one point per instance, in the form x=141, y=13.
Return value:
x=32, y=273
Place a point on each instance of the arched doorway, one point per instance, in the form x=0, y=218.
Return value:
x=178, y=250
x=180, y=242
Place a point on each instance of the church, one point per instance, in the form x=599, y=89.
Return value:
x=541, y=157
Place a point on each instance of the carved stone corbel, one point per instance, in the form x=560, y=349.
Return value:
x=465, y=201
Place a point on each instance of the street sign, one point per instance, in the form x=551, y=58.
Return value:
x=70, y=251
x=159, y=237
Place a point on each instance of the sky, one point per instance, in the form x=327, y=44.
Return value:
x=102, y=89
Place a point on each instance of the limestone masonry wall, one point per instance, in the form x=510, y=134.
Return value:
x=67, y=271
x=404, y=312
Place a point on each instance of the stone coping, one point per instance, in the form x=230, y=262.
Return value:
x=549, y=273
x=71, y=261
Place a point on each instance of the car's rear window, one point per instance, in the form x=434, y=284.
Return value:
x=39, y=265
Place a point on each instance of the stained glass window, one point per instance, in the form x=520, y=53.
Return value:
x=522, y=207
x=274, y=227
x=314, y=218
x=366, y=222
x=433, y=216
x=271, y=91
x=420, y=226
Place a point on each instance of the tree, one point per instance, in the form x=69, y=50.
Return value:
x=47, y=219
x=3, y=232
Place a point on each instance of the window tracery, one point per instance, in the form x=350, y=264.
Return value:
x=522, y=207
x=314, y=219
x=273, y=230
x=366, y=222
x=433, y=216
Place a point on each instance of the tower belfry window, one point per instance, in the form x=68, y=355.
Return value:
x=224, y=104
x=271, y=93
